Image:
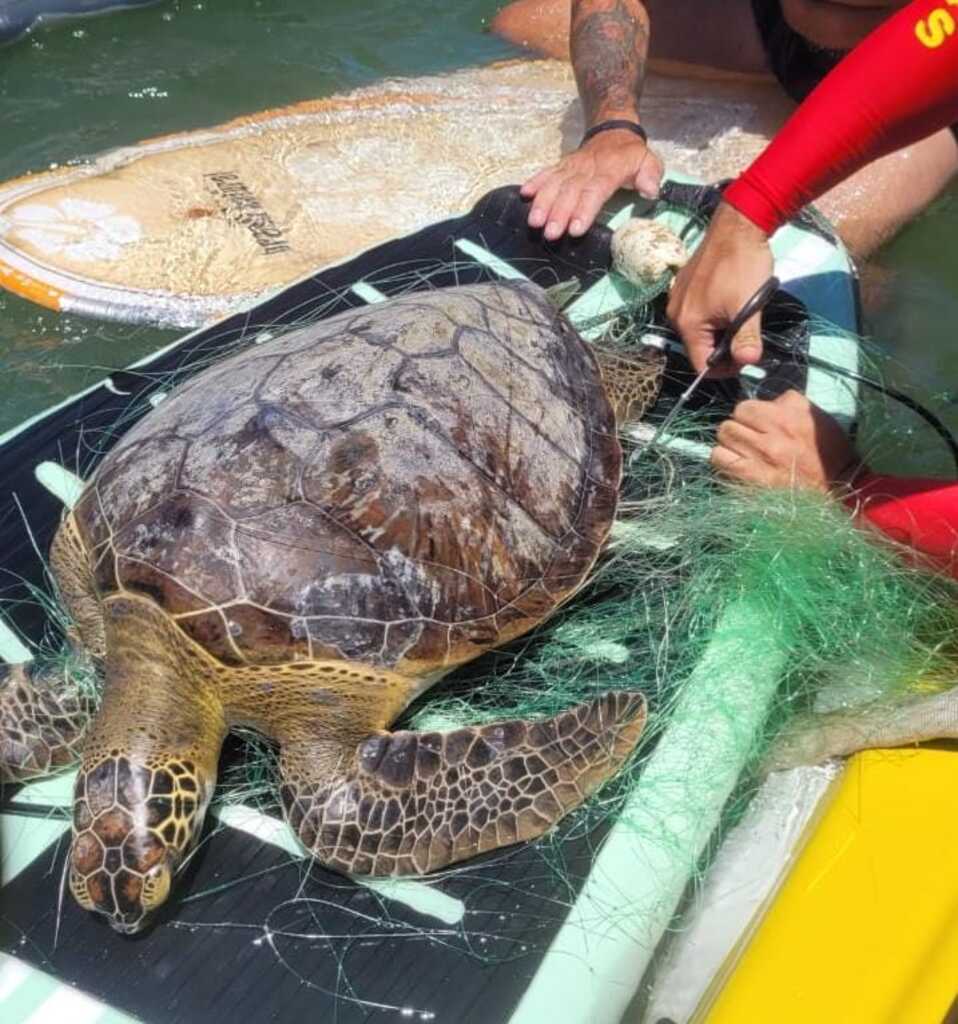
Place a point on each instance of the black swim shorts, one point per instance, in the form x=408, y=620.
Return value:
x=797, y=64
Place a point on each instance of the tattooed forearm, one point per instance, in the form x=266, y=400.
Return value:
x=610, y=43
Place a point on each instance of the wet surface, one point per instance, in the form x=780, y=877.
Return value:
x=75, y=89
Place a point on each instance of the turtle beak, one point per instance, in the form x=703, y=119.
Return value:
x=124, y=929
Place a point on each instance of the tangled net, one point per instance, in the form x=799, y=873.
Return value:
x=828, y=615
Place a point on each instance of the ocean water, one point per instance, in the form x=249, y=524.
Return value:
x=72, y=90
x=912, y=327
x=75, y=89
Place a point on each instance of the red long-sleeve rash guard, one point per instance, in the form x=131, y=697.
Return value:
x=899, y=85
x=920, y=513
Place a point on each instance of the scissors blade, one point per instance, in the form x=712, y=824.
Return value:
x=721, y=351
x=679, y=405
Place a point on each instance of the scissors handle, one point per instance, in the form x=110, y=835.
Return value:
x=754, y=305
x=721, y=351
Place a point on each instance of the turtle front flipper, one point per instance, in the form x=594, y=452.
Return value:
x=44, y=714
x=410, y=803
x=632, y=380
x=46, y=710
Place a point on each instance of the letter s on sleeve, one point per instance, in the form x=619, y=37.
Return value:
x=935, y=29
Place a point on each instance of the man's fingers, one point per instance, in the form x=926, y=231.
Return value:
x=699, y=339
x=793, y=400
x=727, y=461
x=538, y=215
x=747, y=343
x=532, y=185
x=733, y=466
x=770, y=449
x=756, y=414
x=542, y=204
x=569, y=195
x=564, y=203
x=699, y=342
x=786, y=414
x=740, y=439
x=587, y=209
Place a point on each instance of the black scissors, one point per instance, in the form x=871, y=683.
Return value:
x=721, y=351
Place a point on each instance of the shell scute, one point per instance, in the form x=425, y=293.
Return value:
x=400, y=485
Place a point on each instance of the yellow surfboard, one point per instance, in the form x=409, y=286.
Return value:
x=185, y=228
x=864, y=929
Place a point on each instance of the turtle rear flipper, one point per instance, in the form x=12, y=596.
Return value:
x=44, y=714
x=411, y=803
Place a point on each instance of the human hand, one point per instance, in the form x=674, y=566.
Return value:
x=786, y=443
x=731, y=264
x=570, y=194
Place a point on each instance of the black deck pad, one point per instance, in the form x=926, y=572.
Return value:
x=286, y=942
x=250, y=933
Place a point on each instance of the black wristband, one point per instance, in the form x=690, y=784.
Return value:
x=608, y=126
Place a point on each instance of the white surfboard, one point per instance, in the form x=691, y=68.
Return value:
x=186, y=228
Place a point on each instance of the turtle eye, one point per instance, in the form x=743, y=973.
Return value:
x=156, y=887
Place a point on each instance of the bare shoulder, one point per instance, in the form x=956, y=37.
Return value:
x=706, y=35
x=541, y=26
x=724, y=38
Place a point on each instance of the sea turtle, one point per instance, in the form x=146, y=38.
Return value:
x=301, y=539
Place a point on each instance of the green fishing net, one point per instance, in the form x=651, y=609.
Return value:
x=837, y=614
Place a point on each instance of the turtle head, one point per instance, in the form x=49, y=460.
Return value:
x=132, y=828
